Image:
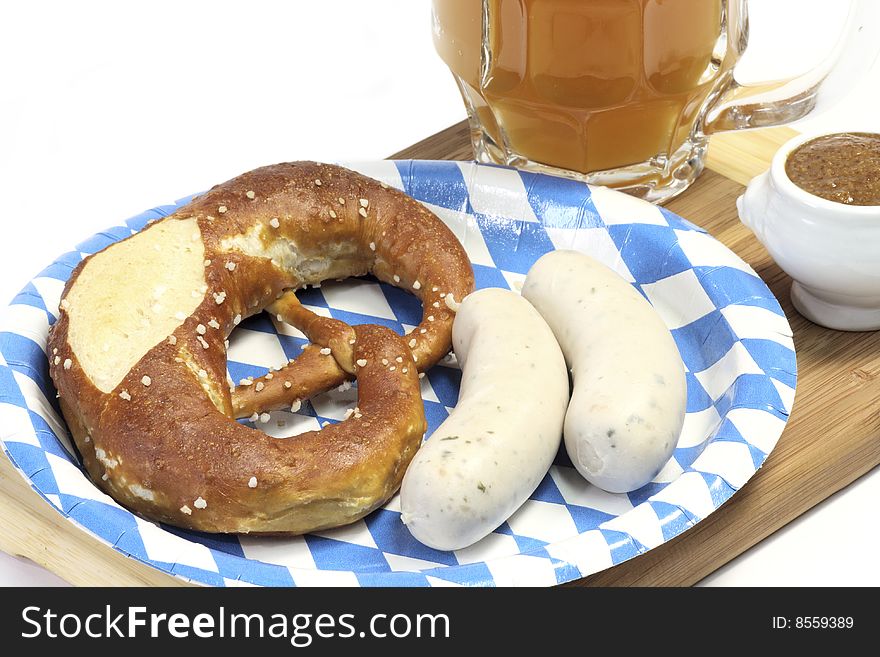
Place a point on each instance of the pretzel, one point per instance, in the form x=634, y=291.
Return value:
x=138, y=353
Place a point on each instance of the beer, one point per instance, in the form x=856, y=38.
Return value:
x=584, y=85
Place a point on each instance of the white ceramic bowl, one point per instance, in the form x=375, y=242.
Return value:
x=831, y=250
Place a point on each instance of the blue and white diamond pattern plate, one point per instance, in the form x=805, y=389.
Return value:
x=734, y=340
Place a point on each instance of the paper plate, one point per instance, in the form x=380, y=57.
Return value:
x=733, y=337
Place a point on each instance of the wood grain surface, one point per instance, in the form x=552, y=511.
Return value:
x=832, y=438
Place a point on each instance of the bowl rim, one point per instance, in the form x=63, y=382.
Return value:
x=789, y=188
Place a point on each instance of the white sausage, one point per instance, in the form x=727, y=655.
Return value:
x=630, y=392
x=490, y=454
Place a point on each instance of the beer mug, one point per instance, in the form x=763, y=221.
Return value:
x=623, y=93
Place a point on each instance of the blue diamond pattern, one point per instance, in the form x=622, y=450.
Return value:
x=650, y=252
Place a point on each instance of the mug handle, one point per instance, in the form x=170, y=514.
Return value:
x=741, y=107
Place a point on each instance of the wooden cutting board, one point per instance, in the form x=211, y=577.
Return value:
x=832, y=438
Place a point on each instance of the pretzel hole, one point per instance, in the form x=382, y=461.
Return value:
x=264, y=344
x=364, y=300
x=270, y=340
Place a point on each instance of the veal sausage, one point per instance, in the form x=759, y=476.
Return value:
x=490, y=454
x=630, y=393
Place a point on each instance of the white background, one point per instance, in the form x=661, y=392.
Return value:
x=109, y=108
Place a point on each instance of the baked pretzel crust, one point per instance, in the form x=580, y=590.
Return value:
x=160, y=436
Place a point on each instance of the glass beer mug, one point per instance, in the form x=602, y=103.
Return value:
x=623, y=93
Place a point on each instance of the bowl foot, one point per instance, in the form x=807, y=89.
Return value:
x=838, y=316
